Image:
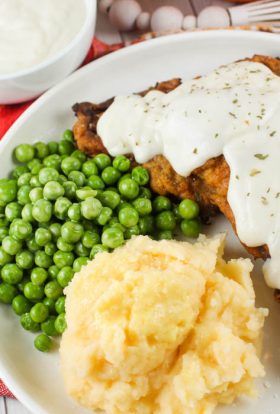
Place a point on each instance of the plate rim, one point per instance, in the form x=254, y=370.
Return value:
x=21, y=394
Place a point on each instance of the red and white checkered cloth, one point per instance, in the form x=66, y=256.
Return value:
x=4, y=392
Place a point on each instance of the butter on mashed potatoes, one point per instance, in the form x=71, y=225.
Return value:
x=162, y=328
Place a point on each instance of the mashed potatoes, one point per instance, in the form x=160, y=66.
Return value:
x=161, y=328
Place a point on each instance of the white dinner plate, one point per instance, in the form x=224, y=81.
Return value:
x=34, y=377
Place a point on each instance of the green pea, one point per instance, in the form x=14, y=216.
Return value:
x=70, y=189
x=68, y=135
x=64, y=246
x=128, y=217
x=79, y=263
x=47, y=174
x=21, y=305
x=143, y=206
x=74, y=212
x=4, y=231
x=140, y=175
x=98, y=248
x=42, y=150
x=24, y=152
x=53, y=147
x=176, y=213
x=62, y=259
x=42, y=259
x=84, y=193
x=36, y=194
x=50, y=249
x=13, y=211
x=55, y=229
x=61, y=207
x=78, y=178
x=132, y=231
x=102, y=161
x=11, y=274
x=53, y=290
x=39, y=312
x=112, y=238
x=22, y=283
x=28, y=324
x=48, y=326
x=145, y=193
x=26, y=212
x=165, y=235
x=121, y=163
x=90, y=238
x=166, y=220
x=81, y=250
x=24, y=179
x=7, y=293
x=89, y=168
x=53, y=190
x=42, y=236
x=18, y=171
x=60, y=305
x=5, y=257
x=38, y=276
x=70, y=164
x=104, y=216
x=52, y=161
x=42, y=211
x=81, y=156
x=60, y=323
x=95, y=182
x=90, y=208
x=112, y=221
x=34, y=181
x=50, y=303
x=43, y=343
x=128, y=188
x=62, y=179
x=191, y=228
x=53, y=271
x=188, y=209
x=146, y=225
x=65, y=147
x=110, y=199
x=8, y=191
x=161, y=203
x=33, y=292
x=20, y=229
x=117, y=226
x=71, y=232
x=25, y=259
x=65, y=276
x=34, y=163
x=3, y=221
x=32, y=245
x=125, y=176
x=114, y=189
x=110, y=175
x=11, y=245
x=89, y=225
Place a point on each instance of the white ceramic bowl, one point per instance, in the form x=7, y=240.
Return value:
x=29, y=83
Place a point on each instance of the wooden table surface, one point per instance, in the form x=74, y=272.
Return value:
x=106, y=33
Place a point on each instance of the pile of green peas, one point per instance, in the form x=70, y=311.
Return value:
x=58, y=210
